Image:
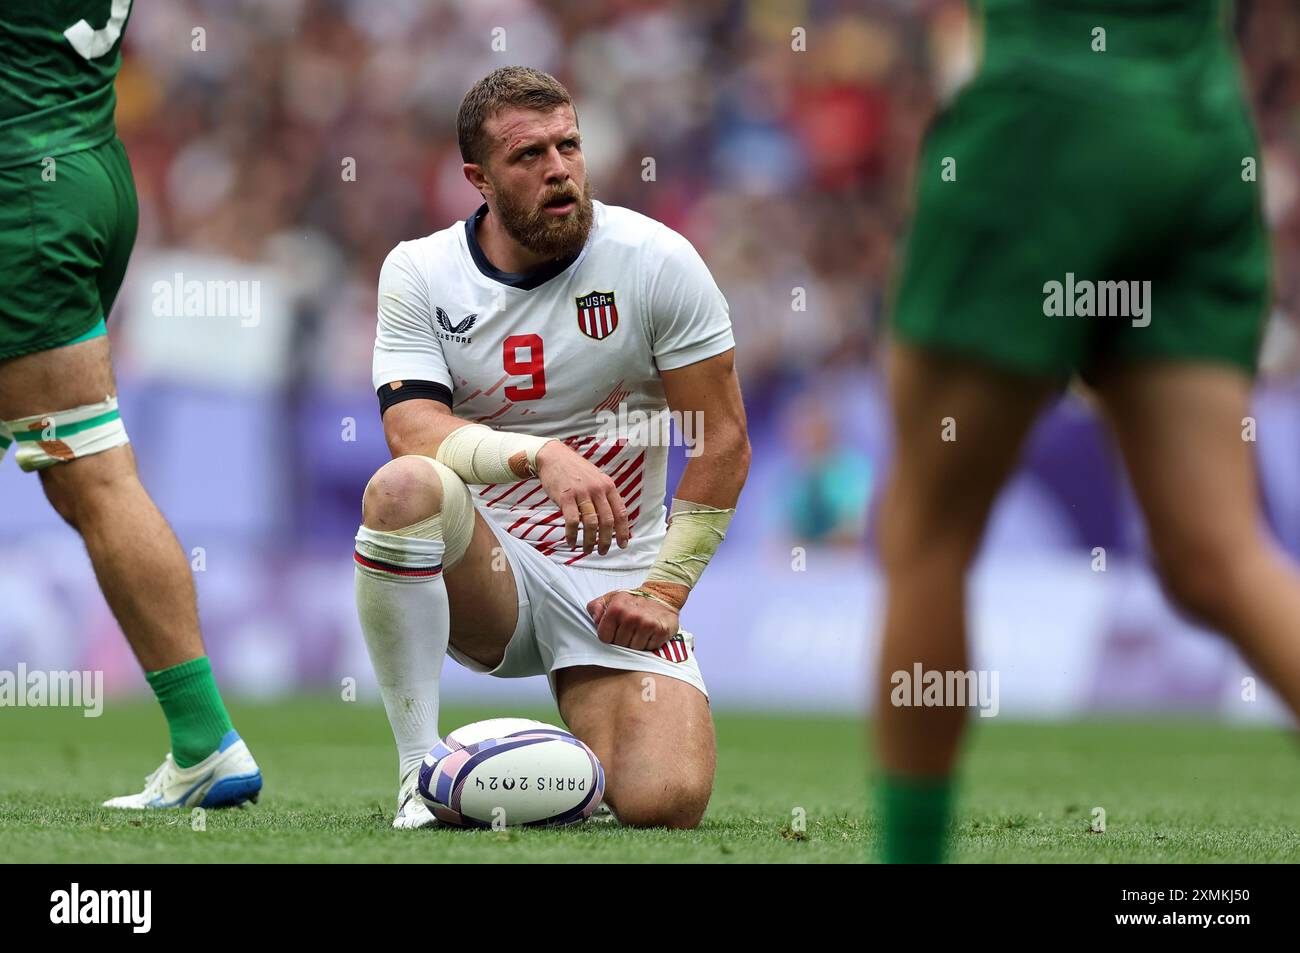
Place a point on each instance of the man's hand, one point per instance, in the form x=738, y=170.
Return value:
x=634, y=621
x=586, y=496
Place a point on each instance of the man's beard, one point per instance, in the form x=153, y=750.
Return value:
x=544, y=234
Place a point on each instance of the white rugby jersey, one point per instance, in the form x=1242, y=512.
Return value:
x=547, y=352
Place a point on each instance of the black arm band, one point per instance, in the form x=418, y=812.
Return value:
x=398, y=391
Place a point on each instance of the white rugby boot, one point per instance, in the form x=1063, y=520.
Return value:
x=226, y=778
x=412, y=812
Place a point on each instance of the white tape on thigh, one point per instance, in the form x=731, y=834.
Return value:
x=46, y=439
x=456, y=518
x=6, y=438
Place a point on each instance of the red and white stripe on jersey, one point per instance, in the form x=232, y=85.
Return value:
x=613, y=399
x=541, y=523
x=674, y=650
x=598, y=322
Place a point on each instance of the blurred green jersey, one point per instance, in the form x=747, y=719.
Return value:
x=58, y=60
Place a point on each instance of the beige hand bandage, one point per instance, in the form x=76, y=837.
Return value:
x=695, y=531
x=479, y=454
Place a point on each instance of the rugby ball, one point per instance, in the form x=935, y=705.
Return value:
x=511, y=772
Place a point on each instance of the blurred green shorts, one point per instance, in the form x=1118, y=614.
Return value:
x=65, y=238
x=1068, y=183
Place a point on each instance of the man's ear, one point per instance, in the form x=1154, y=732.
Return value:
x=475, y=177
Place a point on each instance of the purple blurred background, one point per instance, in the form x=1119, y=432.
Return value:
x=788, y=170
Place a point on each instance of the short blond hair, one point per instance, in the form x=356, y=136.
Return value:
x=505, y=86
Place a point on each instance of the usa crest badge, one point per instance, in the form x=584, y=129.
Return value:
x=675, y=649
x=597, y=314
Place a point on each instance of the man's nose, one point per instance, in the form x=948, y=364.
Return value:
x=556, y=170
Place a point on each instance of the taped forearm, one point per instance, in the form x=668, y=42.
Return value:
x=479, y=454
x=695, y=531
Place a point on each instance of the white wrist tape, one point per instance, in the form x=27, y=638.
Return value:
x=47, y=439
x=479, y=454
x=695, y=531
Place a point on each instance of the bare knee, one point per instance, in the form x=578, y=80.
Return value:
x=62, y=496
x=404, y=491
x=81, y=489
x=677, y=803
x=928, y=532
x=1204, y=578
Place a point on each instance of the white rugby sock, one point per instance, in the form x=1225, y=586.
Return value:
x=402, y=603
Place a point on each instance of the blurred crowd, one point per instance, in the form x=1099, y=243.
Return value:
x=288, y=145
x=785, y=156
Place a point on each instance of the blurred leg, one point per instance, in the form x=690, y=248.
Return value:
x=138, y=562
x=1180, y=430
x=936, y=504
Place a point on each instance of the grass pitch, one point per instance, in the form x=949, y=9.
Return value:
x=1171, y=792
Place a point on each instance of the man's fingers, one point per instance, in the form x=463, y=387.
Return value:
x=591, y=504
x=644, y=628
x=607, y=627
x=640, y=637
x=569, y=507
x=590, y=524
x=606, y=518
x=629, y=634
x=622, y=532
x=659, y=638
x=617, y=623
x=622, y=620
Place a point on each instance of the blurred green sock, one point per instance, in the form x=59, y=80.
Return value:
x=914, y=818
x=196, y=716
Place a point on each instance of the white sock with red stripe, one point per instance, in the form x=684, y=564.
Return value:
x=402, y=603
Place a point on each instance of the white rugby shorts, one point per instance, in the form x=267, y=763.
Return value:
x=554, y=631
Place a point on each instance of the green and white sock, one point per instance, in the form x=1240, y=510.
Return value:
x=196, y=715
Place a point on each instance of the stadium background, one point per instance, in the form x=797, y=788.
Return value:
x=789, y=170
